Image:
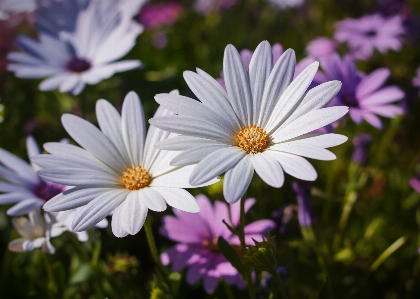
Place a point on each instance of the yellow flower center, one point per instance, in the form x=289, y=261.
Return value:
x=252, y=139
x=136, y=178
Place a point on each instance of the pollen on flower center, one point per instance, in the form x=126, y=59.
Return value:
x=136, y=178
x=252, y=139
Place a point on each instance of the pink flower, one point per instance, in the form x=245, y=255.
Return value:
x=197, y=236
x=321, y=47
x=415, y=183
x=365, y=95
x=155, y=15
x=368, y=33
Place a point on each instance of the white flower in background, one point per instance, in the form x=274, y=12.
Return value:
x=53, y=17
x=85, y=56
x=21, y=185
x=15, y=6
x=34, y=231
x=281, y=4
x=263, y=122
x=118, y=172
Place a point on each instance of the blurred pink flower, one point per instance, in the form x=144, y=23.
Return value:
x=197, y=236
x=371, y=32
x=365, y=95
x=321, y=47
x=155, y=15
x=207, y=6
x=415, y=183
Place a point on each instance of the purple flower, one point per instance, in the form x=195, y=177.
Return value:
x=285, y=214
x=368, y=33
x=197, y=236
x=155, y=15
x=365, y=95
x=206, y=6
x=303, y=192
x=415, y=183
x=321, y=47
x=361, y=142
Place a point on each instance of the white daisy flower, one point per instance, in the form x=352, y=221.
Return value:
x=20, y=185
x=15, y=6
x=85, y=56
x=34, y=231
x=118, y=172
x=262, y=123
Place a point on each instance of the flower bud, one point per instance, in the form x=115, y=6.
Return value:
x=262, y=256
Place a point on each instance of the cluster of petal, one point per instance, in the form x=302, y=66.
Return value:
x=197, y=236
x=35, y=232
x=282, y=4
x=321, y=47
x=20, y=184
x=265, y=97
x=365, y=95
x=96, y=170
x=155, y=15
x=371, y=32
x=86, y=55
x=206, y=6
x=8, y=7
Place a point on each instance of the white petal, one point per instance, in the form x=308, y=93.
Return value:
x=259, y=71
x=9, y=187
x=181, y=143
x=317, y=97
x=296, y=166
x=195, y=155
x=12, y=177
x=98, y=209
x=215, y=164
x=133, y=127
x=109, y=121
x=237, y=84
x=309, y=122
x=73, y=198
x=25, y=206
x=211, y=94
x=185, y=106
x=17, y=245
x=304, y=150
x=268, y=169
x=191, y=126
x=320, y=140
x=280, y=77
x=78, y=177
x=237, y=180
x=18, y=165
x=33, y=150
x=117, y=222
x=93, y=140
x=291, y=97
x=151, y=199
x=179, y=199
x=133, y=213
x=14, y=197
x=178, y=178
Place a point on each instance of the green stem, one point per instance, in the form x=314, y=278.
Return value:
x=248, y=278
x=228, y=290
x=51, y=282
x=279, y=283
x=153, y=249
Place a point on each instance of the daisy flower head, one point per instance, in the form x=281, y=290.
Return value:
x=365, y=95
x=261, y=122
x=197, y=236
x=20, y=185
x=85, y=56
x=35, y=232
x=8, y=7
x=118, y=171
x=368, y=33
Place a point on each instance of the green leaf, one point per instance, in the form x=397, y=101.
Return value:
x=230, y=254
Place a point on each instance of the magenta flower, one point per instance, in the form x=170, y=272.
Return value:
x=368, y=33
x=365, y=95
x=415, y=183
x=197, y=236
x=206, y=6
x=155, y=15
x=321, y=47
